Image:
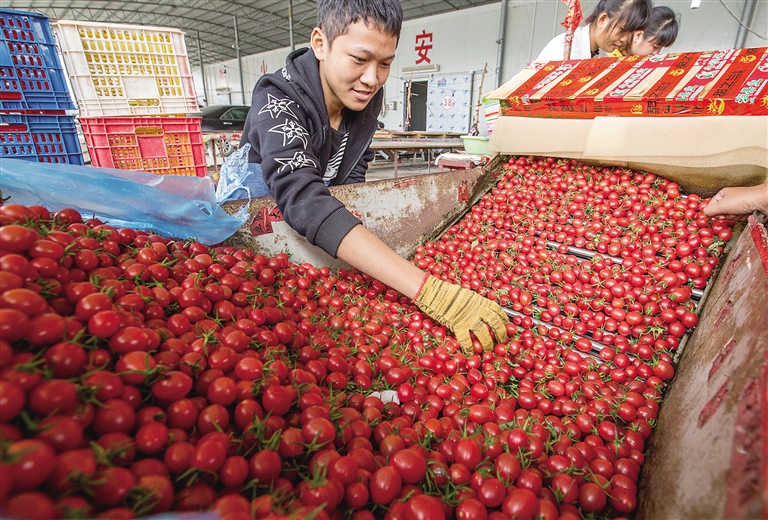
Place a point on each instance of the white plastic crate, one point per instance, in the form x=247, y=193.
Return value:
x=119, y=69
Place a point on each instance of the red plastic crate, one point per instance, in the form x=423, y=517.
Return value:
x=161, y=145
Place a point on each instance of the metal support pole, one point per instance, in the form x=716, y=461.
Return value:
x=554, y=21
x=239, y=63
x=500, y=42
x=533, y=28
x=747, y=15
x=475, y=124
x=290, y=23
x=202, y=68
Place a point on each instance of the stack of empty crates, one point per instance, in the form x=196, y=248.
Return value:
x=134, y=86
x=36, y=110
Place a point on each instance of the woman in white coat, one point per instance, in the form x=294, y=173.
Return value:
x=609, y=27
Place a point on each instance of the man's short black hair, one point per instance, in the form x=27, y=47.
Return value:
x=334, y=16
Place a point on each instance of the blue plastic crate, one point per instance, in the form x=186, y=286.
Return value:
x=41, y=138
x=31, y=74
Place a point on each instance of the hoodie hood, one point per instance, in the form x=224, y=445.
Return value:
x=290, y=135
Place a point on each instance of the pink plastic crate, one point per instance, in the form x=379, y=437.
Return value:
x=161, y=145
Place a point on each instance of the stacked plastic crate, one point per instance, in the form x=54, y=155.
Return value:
x=134, y=87
x=36, y=109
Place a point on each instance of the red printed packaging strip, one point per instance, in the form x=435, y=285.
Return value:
x=662, y=88
x=631, y=80
x=732, y=82
x=696, y=87
x=513, y=99
x=636, y=94
x=581, y=104
x=555, y=75
x=705, y=93
x=616, y=70
x=754, y=92
x=647, y=74
x=735, y=76
x=722, y=97
x=567, y=88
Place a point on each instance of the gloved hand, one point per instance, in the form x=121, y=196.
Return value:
x=462, y=310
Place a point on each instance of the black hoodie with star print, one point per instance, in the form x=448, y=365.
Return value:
x=291, y=137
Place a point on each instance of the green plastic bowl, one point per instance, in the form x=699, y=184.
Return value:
x=476, y=144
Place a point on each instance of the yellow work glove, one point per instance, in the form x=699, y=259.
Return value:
x=462, y=310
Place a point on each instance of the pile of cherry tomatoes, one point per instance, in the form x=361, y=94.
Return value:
x=140, y=374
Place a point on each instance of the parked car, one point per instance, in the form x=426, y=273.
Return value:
x=228, y=118
x=224, y=118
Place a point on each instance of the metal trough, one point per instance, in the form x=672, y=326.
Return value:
x=404, y=213
x=708, y=456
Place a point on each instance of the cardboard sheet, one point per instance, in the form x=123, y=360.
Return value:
x=702, y=154
x=522, y=135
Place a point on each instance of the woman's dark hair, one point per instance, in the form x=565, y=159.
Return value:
x=628, y=15
x=662, y=29
x=335, y=16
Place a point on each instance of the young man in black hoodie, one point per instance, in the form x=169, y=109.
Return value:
x=310, y=126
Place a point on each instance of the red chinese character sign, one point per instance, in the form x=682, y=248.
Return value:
x=572, y=20
x=423, y=46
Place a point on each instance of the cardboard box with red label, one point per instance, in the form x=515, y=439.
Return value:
x=712, y=83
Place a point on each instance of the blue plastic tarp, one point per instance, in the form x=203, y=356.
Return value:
x=172, y=206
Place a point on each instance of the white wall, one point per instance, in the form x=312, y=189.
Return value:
x=223, y=79
x=463, y=41
x=710, y=27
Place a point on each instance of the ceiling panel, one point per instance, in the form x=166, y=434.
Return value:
x=262, y=24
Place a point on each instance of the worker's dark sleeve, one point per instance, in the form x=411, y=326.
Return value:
x=361, y=168
x=279, y=131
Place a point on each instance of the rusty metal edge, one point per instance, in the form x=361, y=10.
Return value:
x=760, y=238
x=737, y=231
x=759, y=234
x=483, y=187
